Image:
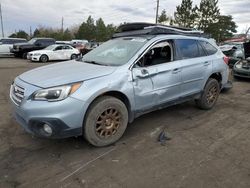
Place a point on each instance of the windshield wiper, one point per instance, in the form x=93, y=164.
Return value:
x=94, y=62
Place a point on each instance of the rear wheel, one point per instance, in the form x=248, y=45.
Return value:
x=44, y=58
x=210, y=95
x=73, y=56
x=106, y=121
x=24, y=56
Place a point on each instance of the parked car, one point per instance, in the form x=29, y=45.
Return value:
x=7, y=43
x=54, y=52
x=136, y=72
x=242, y=67
x=80, y=45
x=63, y=42
x=22, y=49
x=234, y=51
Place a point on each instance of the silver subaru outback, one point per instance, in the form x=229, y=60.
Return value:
x=136, y=72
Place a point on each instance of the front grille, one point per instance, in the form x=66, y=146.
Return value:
x=17, y=93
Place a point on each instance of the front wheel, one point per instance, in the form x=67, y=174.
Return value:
x=44, y=58
x=210, y=95
x=106, y=121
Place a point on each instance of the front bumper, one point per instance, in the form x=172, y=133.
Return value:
x=65, y=117
x=241, y=73
x=33, y=57
x=12, y=50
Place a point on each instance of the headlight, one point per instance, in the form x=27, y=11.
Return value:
x=56, y=93
x=37, y=54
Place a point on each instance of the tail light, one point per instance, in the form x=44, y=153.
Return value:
x=226, y=59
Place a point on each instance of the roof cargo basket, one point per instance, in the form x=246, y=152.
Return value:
x=133, y=29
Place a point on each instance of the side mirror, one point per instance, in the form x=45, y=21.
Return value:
x=140, y=72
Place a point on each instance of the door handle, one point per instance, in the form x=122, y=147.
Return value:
x=144, y=71
x=176, y=70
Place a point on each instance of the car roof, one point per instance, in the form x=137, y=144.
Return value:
x=12, y=39
x=56, y=45
x=43, y=38
x=134, y=29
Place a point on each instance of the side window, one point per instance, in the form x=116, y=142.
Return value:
x=188, y=48
x=161, y=52
x=49, y=42
x=209, y=48
x=202, y=52
x=67, y=48
x=59, y=48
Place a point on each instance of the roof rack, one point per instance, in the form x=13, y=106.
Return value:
x=133, y=29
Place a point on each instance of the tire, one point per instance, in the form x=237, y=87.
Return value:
x=73, y=56
x=210, y=95
x=105, y=121
x=24, y=56
x=44, y=58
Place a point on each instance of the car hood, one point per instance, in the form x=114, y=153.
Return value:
x=40, y=51
x=227, y=47
x=64, y=73
x=23, y=44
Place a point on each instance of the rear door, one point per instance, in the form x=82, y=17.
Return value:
x=67, y=52
x=195, y=65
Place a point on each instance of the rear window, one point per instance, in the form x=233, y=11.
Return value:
x=209, y=48
x=188, y=48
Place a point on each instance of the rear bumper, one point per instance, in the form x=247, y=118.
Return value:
x=227, y=86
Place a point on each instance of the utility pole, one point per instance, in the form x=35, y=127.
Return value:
x=62, y=25
x=30, y=32
x=1, y=16
x=157, y=11
x=247, y=31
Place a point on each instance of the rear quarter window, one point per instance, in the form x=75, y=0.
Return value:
x=209, y=48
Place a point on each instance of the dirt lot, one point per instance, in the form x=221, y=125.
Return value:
x=208, y=148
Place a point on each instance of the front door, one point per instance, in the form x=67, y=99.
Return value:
x=157, y=77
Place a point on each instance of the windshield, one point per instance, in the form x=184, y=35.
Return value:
x=115, y=52
x=51, y=47
x=32, y=41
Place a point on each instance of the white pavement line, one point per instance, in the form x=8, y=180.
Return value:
x=86, y=164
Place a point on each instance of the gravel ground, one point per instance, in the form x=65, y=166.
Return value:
x=207, y=149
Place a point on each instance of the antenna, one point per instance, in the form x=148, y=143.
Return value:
x=1, y=16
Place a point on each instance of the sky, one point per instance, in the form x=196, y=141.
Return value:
x=23, y=14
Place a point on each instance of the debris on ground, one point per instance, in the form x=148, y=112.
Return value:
x=163, y=137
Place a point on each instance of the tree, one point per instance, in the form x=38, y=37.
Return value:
x=223, y=29
x=36, y=33
x=208, y=13
x=186, y=14
x=20, y=34
x=101, y=34
x=87, y=30
x=163, y=18
x=67, y=35
x=110, y=30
